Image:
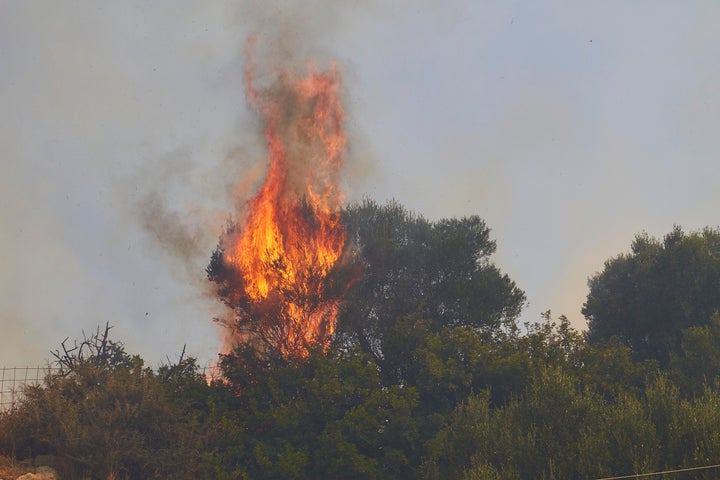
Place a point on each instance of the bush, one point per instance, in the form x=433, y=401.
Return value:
x=106, y=416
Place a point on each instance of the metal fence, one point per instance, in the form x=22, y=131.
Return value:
x=13, y=379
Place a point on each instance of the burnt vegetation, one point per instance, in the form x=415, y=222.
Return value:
x=428, y=375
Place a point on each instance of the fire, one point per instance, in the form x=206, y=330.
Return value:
x=275, y=265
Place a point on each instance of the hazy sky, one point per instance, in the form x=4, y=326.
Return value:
x=568, y=126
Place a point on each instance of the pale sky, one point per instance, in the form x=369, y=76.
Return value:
x=568, y=126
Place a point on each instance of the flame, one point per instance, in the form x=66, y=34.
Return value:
x=292, y=236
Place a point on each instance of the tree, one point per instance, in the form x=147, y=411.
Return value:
x=698, y=364
x=406, y=265
x=323, y=416
x=105, y=415
x=535, y=435
x=647, y=297
x=277, y=285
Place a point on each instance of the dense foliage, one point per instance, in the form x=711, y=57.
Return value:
x=645, y=299
x=429, y=377
x=108, y=416
x=406, y=265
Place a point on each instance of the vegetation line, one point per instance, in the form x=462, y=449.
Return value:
x=428, y=375
x=679, y=470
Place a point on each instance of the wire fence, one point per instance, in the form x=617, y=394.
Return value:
x=14, y=379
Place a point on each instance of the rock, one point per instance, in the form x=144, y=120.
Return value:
x=41, y=473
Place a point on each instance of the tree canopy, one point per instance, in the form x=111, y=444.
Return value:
x=645, y=298
x=428, y=376
x=406, y=265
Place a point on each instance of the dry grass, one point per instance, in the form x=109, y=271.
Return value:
x=10, y=470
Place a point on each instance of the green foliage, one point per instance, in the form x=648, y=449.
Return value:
x=108, y=417
x=558, y=430
x=609, y=369
x=694, y=432
x=698, y=363
x=423, y=327
x=324, y=416
x=534, y=436
x=429, y=377
x=647, y=297
x=330, y=415
x=409, y=265
x=622, y=439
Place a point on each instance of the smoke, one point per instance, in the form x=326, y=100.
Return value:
x=126, y=140
x=174, y=211
x=182, y=210
x=184, y=218
x=95, y=97
x=291, y=33
x=184, y=241
x=294, y=36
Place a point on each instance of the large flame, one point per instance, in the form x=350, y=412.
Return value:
x=292, y=236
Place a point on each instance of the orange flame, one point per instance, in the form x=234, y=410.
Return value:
x=292, y=235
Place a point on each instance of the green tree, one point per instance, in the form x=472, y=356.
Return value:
x=404, y=265
x=622, y=440
x=694, y=433
x=698, y=363
x=535, y=435
x=647, y=297
x=323, y=416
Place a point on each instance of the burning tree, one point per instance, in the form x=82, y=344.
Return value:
x=272, y=267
